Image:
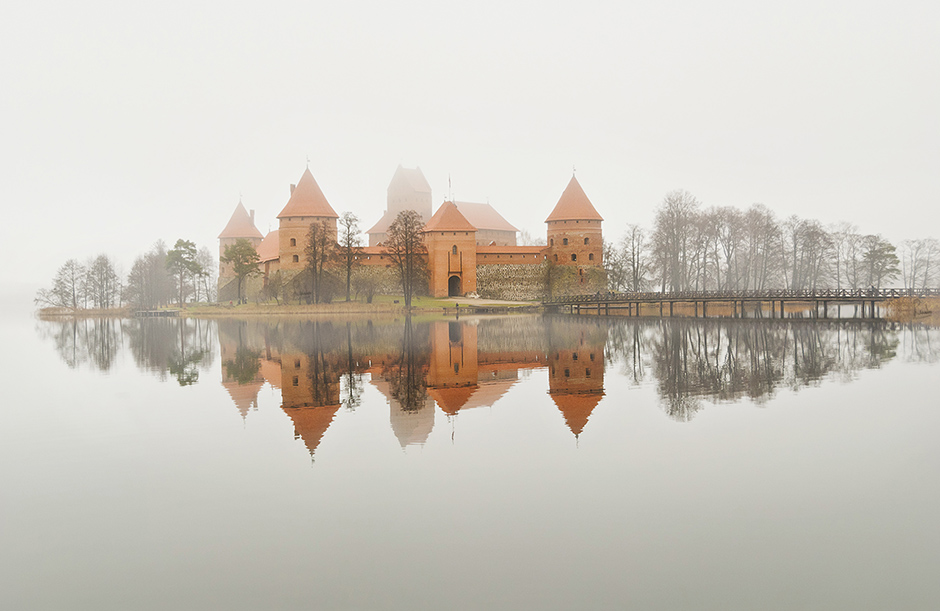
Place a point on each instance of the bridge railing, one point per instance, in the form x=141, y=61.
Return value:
x=768, y=295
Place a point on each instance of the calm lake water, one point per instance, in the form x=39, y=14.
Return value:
x=480, y=463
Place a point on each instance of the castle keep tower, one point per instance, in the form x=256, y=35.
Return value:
x=452, y=253
x=408, y=190
x=307, y=205
x=574, y=230
x=241, y=225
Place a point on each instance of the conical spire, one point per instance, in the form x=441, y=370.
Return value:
x=307, y=200
x=240, y=225
x=574, y=205
x=576, y=408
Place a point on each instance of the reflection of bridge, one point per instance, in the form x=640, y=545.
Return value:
x=629, y=304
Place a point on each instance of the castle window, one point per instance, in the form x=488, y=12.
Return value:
x=591, y=257
x=564, y=242
x=574, y=356
x=567, y=373
x=293, y=241
x=297, y=364
x=454, y=249
x=587, y=373
x=586, y=240
x=296, y=381
x=296, y=259
x=556, y=257
x=552, y=242
x=592, y=356
x=574, y=257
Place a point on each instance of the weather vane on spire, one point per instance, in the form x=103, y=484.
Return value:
x=573, y=170
x=308, y=162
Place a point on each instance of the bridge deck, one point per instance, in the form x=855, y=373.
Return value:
x=605, y=303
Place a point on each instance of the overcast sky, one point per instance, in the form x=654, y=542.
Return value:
x=122, y=123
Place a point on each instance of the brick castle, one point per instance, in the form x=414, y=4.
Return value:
x=471, y=248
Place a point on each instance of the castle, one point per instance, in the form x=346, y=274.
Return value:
x=471, y=248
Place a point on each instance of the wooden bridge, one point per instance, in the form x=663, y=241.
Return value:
x=738, y=302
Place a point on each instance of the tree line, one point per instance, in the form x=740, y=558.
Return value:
x=692, y=248
x=157, y=277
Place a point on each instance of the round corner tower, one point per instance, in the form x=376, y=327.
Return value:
x=574, y=230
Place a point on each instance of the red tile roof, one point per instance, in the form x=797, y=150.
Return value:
x=484, y=216
x=240, y=225
x=574, y=205
x=383, y=224
x=576, y=408
x=269, y=249
x=448, y=218
x=307, y=200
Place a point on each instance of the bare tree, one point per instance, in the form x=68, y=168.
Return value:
x=527, y=239
x=66, y=291
x=761, y=263
x=349, y=243
x=320, y=251
x=405, y=246
x=102, y=283
x=634, y=247
x=614, y=266
x=673, y=239
x=207, y=269
x=920, y=262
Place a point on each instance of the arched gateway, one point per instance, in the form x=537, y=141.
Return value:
x=453, y=286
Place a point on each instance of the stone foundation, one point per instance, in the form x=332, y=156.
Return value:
x=512, y=282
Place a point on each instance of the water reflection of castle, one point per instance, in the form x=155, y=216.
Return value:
x=455, y=366
x=417, y=367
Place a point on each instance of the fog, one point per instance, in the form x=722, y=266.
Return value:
x=122, y=125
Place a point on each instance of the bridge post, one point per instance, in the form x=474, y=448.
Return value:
x=704, y=312
x=825, y=309
x=671, y=303
x=660, y=309
x=696, y=307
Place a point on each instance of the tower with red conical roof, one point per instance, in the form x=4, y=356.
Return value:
x=307, y=205
x=240, y=226
x=574, y=230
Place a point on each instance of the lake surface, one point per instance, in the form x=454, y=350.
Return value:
x=483, y=463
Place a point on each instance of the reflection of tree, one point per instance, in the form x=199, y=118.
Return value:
x=352, y=378
x=726, y=360
x=171, y=345
x=87, y=340
x=180, y=347
x=406, y=375
x=243, y=369
x=920, y=343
